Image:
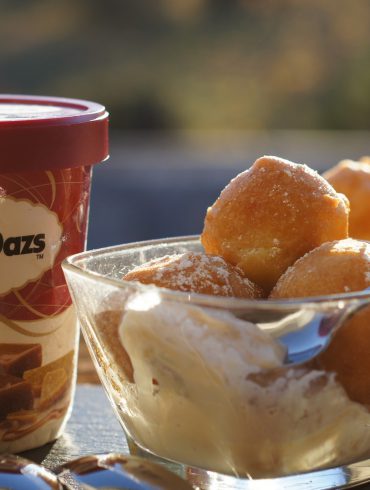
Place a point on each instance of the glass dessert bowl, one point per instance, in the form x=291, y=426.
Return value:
x=204, y=380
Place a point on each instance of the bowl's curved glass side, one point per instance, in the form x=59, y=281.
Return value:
x=115, y=262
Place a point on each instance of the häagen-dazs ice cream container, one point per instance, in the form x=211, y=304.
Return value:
x=47, y=149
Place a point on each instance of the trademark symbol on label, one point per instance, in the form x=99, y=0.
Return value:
x=40, y=256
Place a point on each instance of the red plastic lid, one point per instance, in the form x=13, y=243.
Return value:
x=46, y=133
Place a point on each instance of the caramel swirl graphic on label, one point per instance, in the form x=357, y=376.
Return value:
x=12, y=435
x=38, y=313
x=17, y=328
x=53, y=187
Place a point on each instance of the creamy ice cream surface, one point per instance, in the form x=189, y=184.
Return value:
x=210, y=390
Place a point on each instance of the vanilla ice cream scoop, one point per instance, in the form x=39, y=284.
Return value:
x=211, y=390
x=168, y=338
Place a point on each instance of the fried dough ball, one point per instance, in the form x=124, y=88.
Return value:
x=337, y=267
x=196, y=273
x=334, y=267
x=272, y=214
x=348, y=356
x=353, y=179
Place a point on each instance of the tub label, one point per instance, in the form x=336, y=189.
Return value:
x=30, y=239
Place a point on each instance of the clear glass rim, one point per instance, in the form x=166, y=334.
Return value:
x=71, y=264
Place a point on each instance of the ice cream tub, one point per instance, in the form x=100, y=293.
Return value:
x=48, y=147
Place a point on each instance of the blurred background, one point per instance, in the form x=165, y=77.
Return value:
x=197, y=90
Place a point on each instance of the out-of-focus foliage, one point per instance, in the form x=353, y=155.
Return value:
x=192, y=64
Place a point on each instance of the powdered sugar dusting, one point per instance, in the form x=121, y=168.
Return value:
x=196, y=272
x=298, y=173
x=359, y=247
